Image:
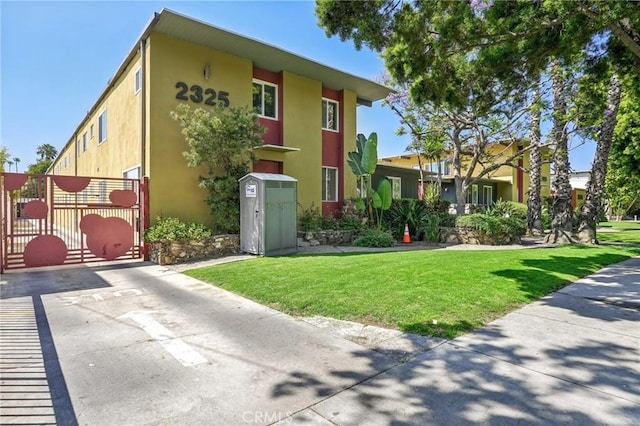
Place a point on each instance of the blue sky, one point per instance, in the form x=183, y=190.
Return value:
x=56, y=59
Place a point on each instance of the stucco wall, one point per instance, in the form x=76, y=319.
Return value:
x=303, y=129
x=174, y=187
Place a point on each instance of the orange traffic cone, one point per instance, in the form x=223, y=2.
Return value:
x=406, y=238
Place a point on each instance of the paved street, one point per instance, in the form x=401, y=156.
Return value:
x=138, y=343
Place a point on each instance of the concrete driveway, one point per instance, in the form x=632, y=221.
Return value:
x=140, y=344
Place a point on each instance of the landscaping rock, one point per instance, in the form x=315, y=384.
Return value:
x=172, y=252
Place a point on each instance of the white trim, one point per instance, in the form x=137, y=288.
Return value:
x=266, y=83
x=336, y=118
x=137, y=80
x=139, y=166
x=336, y=186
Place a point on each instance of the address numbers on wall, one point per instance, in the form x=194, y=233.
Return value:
x=199, y=94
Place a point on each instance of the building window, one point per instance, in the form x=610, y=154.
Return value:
x=265, y=99
x=91, y=132
x=84, y=142
x=329, y=184
x=329, y=115
x=396, y=187
x=487, y=195
x=102, y=127
x=472, y=196
x=137, y=81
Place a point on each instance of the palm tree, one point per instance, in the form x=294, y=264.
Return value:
x=4, y=157
x=9, y=163
x=47, y=152
x=16, y=160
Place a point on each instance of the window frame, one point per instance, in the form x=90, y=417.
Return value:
x=397, y=180
x=325, y=117
x=137, y=81
x=472, y=195
x=85, y=143
x=326, y=185
x=91, y=131
x=276, y=95
x=484, y=193
x=102, y=126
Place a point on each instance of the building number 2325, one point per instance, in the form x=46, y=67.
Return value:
x=198, y=94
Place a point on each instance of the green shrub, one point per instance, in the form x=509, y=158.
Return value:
x=329, y=223
x=374, y=237
x=310, y=219
x=406, y=210
x=546, y=218
x=351, y=222
x=508, y=209
x=432, y=228
x=172, y=229
x=448, y=220
x=436, y=205
x=493, y=225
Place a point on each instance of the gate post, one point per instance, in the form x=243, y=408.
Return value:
x=146, y=222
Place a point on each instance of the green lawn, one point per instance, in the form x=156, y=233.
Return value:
x=621, y=232
x=411, y=291
x=626, y=224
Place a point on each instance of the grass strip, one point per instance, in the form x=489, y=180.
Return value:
x=442, y=293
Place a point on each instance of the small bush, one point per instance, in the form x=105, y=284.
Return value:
x=329, y=223
x=493, y=225
x=374, y=238
x=448, y=220
x=310, y=219
x=350, y=222
x=172, y=229
x=508, y=209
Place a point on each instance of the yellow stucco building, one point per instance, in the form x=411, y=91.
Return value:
x=308, y=108
x=506, y=183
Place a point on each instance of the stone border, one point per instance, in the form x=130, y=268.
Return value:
x=473, y=236
x=181, y=251
x=327, y=238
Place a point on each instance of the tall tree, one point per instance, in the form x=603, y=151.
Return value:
x=595, y=186
x=4, y=157
x=622, y=184
x=534, y=201
x=16, y=160
x=561, y=209
x=46, y=152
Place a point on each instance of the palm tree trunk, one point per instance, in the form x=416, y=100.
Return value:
x=534, y=202
x=561, y=210
x=595, y=186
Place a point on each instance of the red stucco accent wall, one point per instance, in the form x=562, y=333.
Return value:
x=273, y=136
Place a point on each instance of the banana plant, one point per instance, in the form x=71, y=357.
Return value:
x=363, y=162
x=381, y=199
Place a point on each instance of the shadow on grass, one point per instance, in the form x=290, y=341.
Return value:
x=541, y=277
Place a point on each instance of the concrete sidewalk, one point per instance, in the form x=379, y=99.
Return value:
x=143, y=344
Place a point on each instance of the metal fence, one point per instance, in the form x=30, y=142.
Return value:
x=53, y=220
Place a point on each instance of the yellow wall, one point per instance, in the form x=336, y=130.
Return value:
x=121, y=149
x=302, y=104
x=174, y=187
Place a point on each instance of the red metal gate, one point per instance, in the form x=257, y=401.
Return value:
x=54, y=220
